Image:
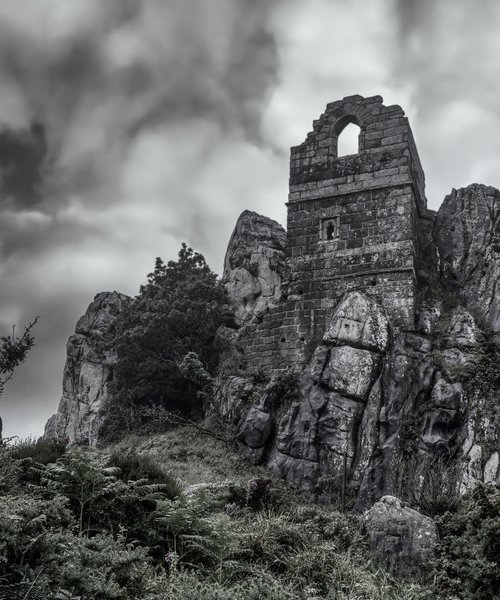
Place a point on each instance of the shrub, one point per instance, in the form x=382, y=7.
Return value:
x=10, y=471
x=197, y=532
x=41, y=557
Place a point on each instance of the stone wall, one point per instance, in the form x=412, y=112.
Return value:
x=355, y=223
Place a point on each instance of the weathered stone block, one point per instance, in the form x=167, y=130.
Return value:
x=350, y=371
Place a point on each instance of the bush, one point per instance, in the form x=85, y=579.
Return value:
x=10, y=471
x=42, y=557
x=30, y=456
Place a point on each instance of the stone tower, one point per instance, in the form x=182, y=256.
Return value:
x=356, y=222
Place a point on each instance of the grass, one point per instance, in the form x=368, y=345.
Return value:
x=192, y=457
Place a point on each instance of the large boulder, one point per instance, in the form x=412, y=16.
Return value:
x=467, y=234
x=86, y=375
x=403, y=540
x=360, y=322
x=254, y=263
x=317, y=439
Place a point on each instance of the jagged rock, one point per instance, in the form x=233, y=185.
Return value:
x=463, y=333
x=491, y=469
x=407, y=378
x=86, y=375
x=338, y=372
x=360, y=322
x=443, y=419
x=403, y=540
x=254, y=264
x=479, y=449
x=321, y=427
x=232, y=398
x=467, y=234
x=374, y=413
x=256, y=428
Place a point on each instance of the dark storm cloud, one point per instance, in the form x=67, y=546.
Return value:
x=127, y=66
x=22, y=158
x=137, y=101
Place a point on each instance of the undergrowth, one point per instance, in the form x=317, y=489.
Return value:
x=97, y=525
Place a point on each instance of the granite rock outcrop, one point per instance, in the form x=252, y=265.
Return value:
x=376, y=412
x=361, y=362
x=380, y=410
x=403, y=540
x=467, y=234
x=87, y=374
x=253, y=265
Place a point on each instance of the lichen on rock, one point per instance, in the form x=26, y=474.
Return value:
x=253, y=265
x=87, y=375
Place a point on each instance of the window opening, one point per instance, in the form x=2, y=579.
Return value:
x=348, y=140
x=329, y=229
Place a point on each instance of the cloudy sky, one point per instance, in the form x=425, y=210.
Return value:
x=129, y=126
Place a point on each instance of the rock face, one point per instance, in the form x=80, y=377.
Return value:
x=467, y=233
x=403, y=540
x=86, y=376
x=376, y=412
x=254, y=263
x=316, y=438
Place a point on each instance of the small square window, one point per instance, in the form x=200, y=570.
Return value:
x=329, y=229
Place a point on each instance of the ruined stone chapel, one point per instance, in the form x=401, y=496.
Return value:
x=355, y=222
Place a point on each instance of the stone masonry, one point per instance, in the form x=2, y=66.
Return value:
x=355, y=223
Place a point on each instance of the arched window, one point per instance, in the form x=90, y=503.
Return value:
x=348, y=140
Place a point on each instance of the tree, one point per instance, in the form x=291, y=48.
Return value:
x=175, y=314
x=13, y=352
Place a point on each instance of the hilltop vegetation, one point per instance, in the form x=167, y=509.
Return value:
x=94, y=525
